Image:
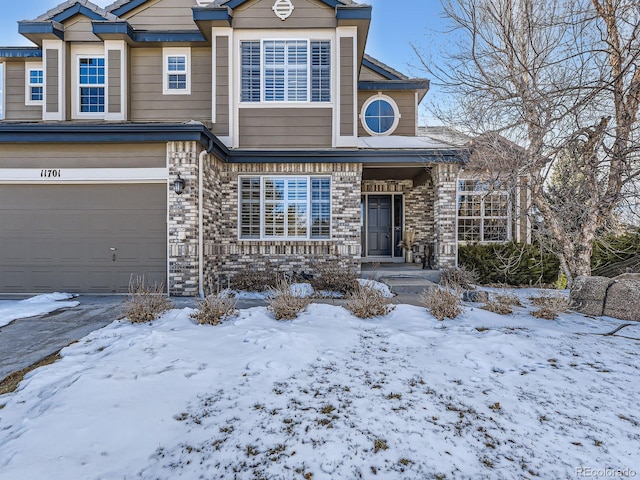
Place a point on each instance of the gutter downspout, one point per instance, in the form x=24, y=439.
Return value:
x=201, y=223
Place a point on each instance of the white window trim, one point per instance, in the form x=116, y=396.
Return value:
x=482, y=217
x=263, y=238
x=396, y=113
x=309, y=36
x=86, y=51
x=175, y=52
x=28, y=68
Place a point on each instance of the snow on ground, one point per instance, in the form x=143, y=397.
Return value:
x=329, y=396
x=11, y=310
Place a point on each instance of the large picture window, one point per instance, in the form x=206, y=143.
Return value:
x=285, y=71
x=483, y=212
x=285, y=207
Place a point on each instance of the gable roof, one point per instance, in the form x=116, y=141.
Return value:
x=68, y=9
x=385, y=70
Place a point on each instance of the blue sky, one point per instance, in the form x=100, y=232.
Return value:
x=395, y=25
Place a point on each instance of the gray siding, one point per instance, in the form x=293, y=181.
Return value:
x=114, y=155
x=221, y=126
x=367, y=75
x=406, y=104
x=79, y=29
x=14, y=95
x=285, y=127
x=347, y=99
x=114, y=71
x=51, y=79
x=163, y=15
x=147, y=101
x=307, y=14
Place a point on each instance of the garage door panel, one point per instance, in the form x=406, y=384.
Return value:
x=59, y=237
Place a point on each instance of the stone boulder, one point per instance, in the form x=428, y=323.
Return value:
x=475, y=296
x=623, y=298
x=588, y=295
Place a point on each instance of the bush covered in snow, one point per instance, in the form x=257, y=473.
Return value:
x=441, y=303
x=285, y=303
x=146, y=302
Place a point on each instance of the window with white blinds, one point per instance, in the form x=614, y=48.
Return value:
x=285, y=71
x=287, y=207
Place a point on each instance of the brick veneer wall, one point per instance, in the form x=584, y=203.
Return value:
x=226, y=255
x=182, y=157
x=445, y=178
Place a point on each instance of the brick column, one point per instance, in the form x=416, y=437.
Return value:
x=182, y=157
x=444, y=179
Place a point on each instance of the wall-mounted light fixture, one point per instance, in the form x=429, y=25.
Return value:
x=178, y=185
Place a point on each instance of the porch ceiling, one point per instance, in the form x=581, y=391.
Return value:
x=419, y=175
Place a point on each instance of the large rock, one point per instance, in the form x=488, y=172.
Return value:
x=588, y=294
x=623, y=299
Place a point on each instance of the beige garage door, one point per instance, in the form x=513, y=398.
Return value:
x=81, y=238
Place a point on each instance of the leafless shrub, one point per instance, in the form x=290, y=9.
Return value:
x=283, y=303
x=365, y=301
x=549, y=306
x=334, y=277
x=441, y=303
x=497, y=307
x=213, y=309
x=146, y=302
x=510, y=300
x=458, y=278
x=254, y=279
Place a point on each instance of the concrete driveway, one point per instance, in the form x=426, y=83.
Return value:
x=26, y=341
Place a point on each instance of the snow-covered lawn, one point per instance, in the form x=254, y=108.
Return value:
x=11, y=310
x=329, y=396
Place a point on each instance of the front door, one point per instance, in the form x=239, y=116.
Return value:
x=379, y=226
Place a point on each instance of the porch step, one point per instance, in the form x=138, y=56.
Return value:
x=407, y=285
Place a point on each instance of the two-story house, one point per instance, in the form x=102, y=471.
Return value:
x=190, y=139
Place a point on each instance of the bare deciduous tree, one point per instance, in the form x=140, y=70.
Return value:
x=558, y=78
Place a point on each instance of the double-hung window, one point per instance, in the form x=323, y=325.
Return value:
x=285, y=71
x=287, y=207
x=34, y=94
x=177, y=71
x=483, y=212
x=91, y=84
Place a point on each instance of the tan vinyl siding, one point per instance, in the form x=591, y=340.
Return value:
x=113, y=155
x=51, y=80
x=79, y=29
x=221, y=125
x=147, y=101
x=163, y=15
x=14, y=91
x=346, y=86
x=368, y=75
x=114, y=80
x=285, y=127
x=406, y=104
x=306, y=14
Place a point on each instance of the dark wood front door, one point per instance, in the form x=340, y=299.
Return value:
x=379, y=226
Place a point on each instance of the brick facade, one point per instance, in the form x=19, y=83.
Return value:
x=445, y=177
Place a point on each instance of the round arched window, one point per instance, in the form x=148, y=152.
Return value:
x=380, y=115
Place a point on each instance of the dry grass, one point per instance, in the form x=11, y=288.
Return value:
x=283, y=303
x=497, y=307
x=367, y=302
x=549, y=306
x=11, y=381
x=510, y=300
x=146, y=302
x=458, y=278
x=334, y=277
x=255, y=279
x=441, y=303
x=215, y=308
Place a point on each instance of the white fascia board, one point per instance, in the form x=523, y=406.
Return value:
x=82, y=175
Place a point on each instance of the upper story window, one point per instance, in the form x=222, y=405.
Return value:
x=177, y=71
x=285, y=71
x=91, y=84
x=380, y=115
x=483, y=212
x=34, y=81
